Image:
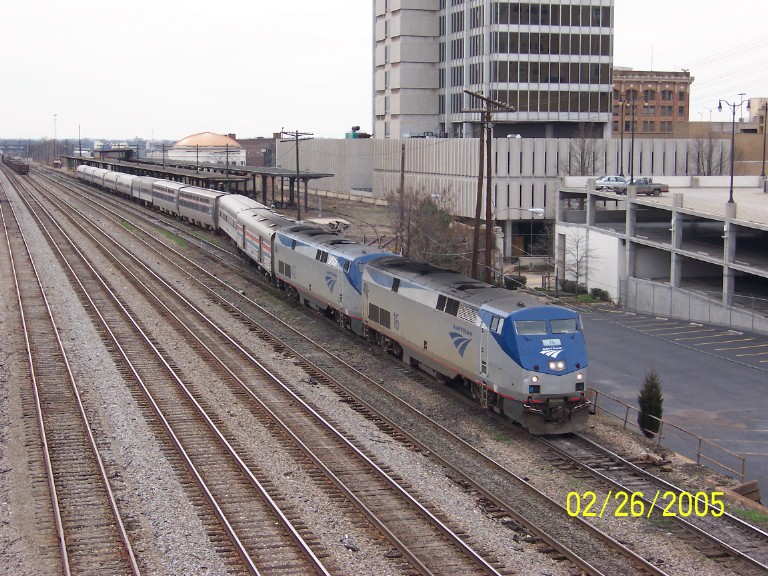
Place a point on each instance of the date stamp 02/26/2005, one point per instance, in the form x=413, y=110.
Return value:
x=636, y=504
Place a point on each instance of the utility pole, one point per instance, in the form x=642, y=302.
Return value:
x=401, y=224
x=297, y=137
x=491, y=106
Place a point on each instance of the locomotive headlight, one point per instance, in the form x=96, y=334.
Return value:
x=579, y=376
x=557, y=365
x=534, y=379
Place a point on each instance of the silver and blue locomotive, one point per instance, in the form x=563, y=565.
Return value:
x=529, y=363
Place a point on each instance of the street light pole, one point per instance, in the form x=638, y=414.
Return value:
x=633, y=100
x=733, y=106
x=622, y=104
x=765, y=120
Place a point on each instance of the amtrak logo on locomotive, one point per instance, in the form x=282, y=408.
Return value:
x=459, y=340
x=552, y=347
x=330, y=280
x=551, y=352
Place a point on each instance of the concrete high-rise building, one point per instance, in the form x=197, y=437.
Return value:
x=551, y=61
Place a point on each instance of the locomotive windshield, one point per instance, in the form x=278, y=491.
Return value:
x=530, y=327
x=538, y=327
x=564, y=326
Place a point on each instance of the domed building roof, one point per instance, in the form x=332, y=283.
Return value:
x=208, y=139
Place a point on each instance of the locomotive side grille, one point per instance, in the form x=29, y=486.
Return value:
x=378, y=315
x=373, y=313
x=468, y=313
x=333, y=261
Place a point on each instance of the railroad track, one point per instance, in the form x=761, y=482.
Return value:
x=423, y=539
x=90, y=530
x=605, y=553
x=718, y=535
x=260, y=534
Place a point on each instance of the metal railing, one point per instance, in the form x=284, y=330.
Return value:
x=695, y=305
x=703, y=449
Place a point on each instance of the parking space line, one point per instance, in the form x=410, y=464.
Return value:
x=682, y=332
x=743, y=347
x=726, y=342
x=642, y=323
x=708, y=336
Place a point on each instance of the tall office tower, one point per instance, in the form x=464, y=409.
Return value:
x=550, y=61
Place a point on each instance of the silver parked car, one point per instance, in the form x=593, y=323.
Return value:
x=614, y=183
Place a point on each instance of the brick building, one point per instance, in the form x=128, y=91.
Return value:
x=661, y=101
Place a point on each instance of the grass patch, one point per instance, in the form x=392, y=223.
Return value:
x=128, y=226
x=586, y=298
x=752, y=516
x=660, y=522
x=174, y=238
x=503, y=437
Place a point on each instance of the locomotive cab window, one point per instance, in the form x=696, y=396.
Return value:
x=530, y=327
x=564, y=326
x=496, y=324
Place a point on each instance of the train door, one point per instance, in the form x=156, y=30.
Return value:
x=483, y=350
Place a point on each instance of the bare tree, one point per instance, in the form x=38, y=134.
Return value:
x=426, y=231
x=707, y=157
x=579, y=259
x=585, y=153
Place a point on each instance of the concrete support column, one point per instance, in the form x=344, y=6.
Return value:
x=498, y=245
x=591, y=202
x=729, y=253
x=629, y=262
x=507, y=238
x=676, y=235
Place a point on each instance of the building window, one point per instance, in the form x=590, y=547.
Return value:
x=477, y=17
x=666, y=95
x=457, y=22
x=681, y=111
x=457, y=49
x=456, y=103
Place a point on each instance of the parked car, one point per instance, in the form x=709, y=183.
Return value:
x=613, y=183
x=646, y=185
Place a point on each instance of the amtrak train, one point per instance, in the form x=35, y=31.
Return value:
x=515, y=355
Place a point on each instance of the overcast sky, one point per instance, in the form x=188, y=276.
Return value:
x=169, y=68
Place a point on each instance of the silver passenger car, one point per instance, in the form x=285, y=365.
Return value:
x=229, y=207
x=165, y=196
x=258, y=227
x=199, y=206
